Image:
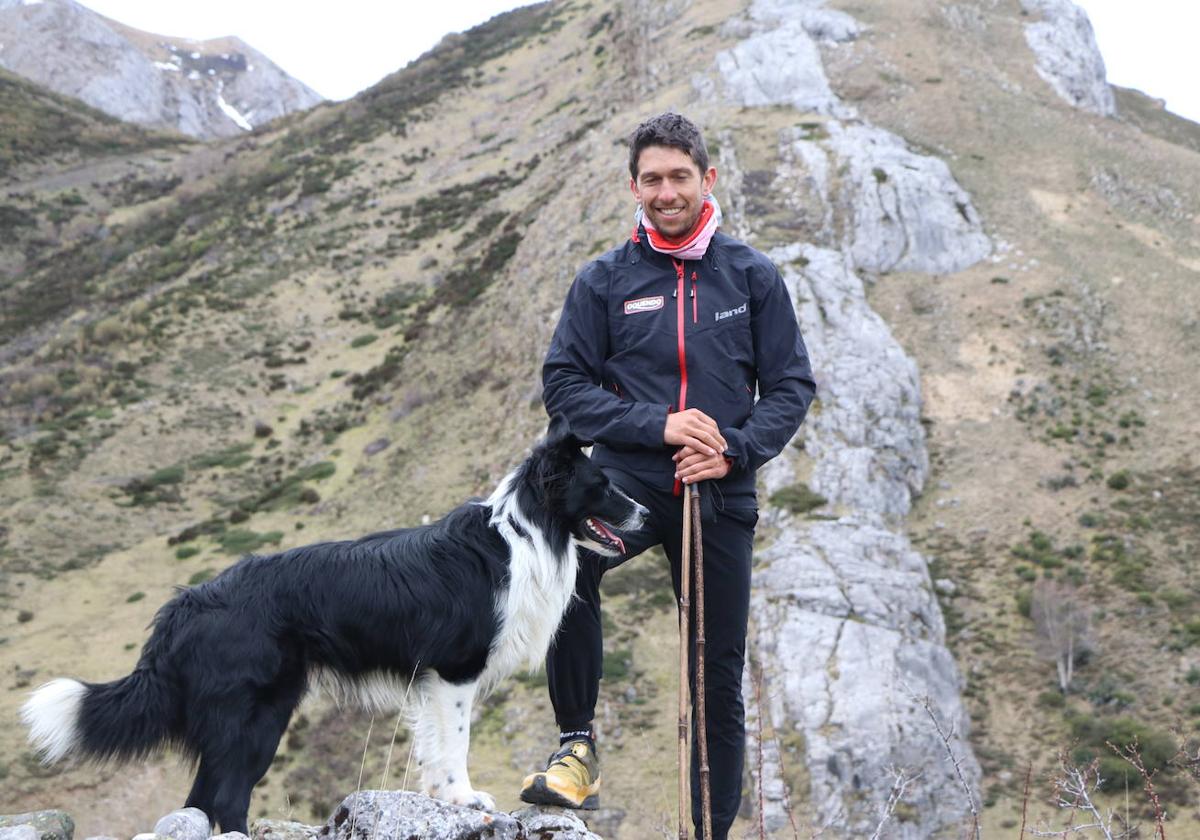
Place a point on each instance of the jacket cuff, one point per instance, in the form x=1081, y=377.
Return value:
x=652, y=424
x=735, y=451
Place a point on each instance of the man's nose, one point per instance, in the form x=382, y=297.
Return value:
x=666, y=193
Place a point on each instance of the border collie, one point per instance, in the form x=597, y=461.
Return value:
x=440, y=612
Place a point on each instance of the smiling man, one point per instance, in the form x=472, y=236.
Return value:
x=662, y=346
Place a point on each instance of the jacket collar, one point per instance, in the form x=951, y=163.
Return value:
x=643, y=251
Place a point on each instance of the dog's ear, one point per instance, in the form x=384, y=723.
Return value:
x=560, y=435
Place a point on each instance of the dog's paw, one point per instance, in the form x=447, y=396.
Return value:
x=472, y=799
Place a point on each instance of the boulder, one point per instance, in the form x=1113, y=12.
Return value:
x=401, y=814
x=49, y=825
x=282, y=830
x=556, y=823
x=184, y=824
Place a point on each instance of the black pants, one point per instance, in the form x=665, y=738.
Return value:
x=574, y=663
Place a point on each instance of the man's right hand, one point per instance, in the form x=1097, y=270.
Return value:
x=692, y=427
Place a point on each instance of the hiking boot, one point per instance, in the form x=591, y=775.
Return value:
x=571, y=778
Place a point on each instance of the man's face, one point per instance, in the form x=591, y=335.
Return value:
x=671, y=188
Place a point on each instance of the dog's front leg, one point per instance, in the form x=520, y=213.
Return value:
x=445, y=722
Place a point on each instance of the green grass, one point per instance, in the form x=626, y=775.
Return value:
x=797, y=499
x=244, y=541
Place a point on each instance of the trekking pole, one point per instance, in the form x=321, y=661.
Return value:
x=701, y=717
x=684, y=607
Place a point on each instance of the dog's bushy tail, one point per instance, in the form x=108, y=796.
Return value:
x=126, y=718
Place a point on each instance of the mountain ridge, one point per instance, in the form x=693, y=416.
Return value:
x=214, y=88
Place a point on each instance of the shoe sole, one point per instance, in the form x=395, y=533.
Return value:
x=539, y=793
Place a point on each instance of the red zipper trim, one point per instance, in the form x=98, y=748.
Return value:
x=679, y=318
x=695, y=298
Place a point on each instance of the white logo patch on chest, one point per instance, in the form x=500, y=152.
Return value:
x=646, y=304
x=729, y=313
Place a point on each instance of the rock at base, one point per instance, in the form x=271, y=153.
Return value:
x=49, y=825
x=184, y=824
x=282, y=830
x=558, y=823
x=382, y=813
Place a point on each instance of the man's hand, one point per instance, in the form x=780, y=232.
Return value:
x=692, y=427
x=692, y=466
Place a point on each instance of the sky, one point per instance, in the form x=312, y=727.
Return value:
x=339, y=48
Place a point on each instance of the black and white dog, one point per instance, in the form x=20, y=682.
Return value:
x=436, y=614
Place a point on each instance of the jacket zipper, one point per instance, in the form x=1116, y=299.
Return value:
x=681, y=326
x=695, y=298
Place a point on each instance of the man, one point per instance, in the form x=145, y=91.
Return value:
x=660, y=348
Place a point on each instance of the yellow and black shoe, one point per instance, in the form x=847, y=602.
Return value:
x=571, y=779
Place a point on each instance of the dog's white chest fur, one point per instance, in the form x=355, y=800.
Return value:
x=539, y=590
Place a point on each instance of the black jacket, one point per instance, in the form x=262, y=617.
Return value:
x=642, y=335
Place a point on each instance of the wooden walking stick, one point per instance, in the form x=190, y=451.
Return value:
x=701, y=717
x=684, y=608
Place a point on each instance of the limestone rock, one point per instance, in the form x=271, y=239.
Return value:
x=184, y=824
x=378, y=813
x=556, y=823
x=1067, y=55
x=780, y=62
x=230, y=835
x=909, y=214
x=282, y=830
x=851, y=631
x=19, y=832
x=866, y=442
x=49, y=825
x=860, y=188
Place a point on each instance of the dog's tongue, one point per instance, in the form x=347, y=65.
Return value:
x=604, y=530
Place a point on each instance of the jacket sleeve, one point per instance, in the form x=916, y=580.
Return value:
x=572, y=375
x=785, y=381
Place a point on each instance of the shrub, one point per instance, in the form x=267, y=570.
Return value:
x=244, y=541
x=797, y=498
x=186, y=551
x=1119, y=480
x=1094, y=734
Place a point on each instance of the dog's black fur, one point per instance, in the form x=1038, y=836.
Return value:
x=228, y=661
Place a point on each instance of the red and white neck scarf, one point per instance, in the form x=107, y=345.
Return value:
x=692, y=246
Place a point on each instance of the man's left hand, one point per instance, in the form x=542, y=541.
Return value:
x=692, y=466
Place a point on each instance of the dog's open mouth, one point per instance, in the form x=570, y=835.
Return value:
x=603, y=534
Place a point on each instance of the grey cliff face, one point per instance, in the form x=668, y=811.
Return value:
x=204, y=89
x=1067, y=56
x=849, y=634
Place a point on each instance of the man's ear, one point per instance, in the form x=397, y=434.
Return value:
x=560, y=434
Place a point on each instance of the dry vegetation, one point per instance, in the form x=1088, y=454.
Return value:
x=334, y=324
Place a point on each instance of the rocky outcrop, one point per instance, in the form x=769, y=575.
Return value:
x=1067, y=55
x=866, y=443
x=377, y=813
x=779, y=62
x=217, y=88
x=365, y=815
x=848, y=632
x=848, y=623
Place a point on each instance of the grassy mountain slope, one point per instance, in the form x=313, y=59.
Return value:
x=334, y=325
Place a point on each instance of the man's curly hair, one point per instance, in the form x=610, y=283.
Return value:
x=672, y=130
